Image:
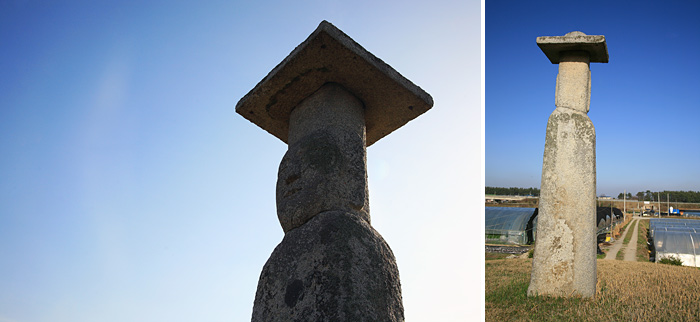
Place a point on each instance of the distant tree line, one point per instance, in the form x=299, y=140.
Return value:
x=622, y=196
x=512, y=191
x=673, y=196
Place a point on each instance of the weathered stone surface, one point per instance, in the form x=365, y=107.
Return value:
x=335, y=267
x=574, y=82
x=564, y=263
x=595, y=46
x=332, y=108
x=329, y=55
x=325, y=167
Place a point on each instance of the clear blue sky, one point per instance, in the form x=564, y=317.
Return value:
x=130, y=190
x=645, y=103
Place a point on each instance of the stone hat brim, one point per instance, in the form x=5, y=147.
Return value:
x=329, y=55
x=553, y=46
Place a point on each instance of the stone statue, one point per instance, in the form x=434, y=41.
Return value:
x=564, y=263
x=329, y=99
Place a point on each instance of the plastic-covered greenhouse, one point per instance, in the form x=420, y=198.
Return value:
x=679, y=238
x=505, y=225
x=605, y=216
x=691, y=213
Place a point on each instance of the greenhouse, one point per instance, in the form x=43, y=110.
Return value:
x=691, y=213
x=679, y=238
x=605, y=216
x=518, y=226
x=505, y=225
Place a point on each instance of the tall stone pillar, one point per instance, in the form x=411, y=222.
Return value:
x=329, y=100
x=564, y=262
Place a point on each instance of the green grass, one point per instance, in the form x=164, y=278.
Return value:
x=671, y=260
x=492, y=256
x=642, y=247
x=620, y=254
x=628, y=236
x=625, y=241
x=513, y=296
x=625, y=226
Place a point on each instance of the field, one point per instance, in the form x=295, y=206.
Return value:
x=626, y=291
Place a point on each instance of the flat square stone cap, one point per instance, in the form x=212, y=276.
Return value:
x=576, y=40
x=329, y=55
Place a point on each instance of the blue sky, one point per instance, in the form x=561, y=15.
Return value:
x=645, y=103
x=131, y=191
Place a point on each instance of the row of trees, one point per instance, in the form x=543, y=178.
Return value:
x=673, y=196
x=513, y=191
x=622, y=196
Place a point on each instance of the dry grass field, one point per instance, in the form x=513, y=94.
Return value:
x=626, y=291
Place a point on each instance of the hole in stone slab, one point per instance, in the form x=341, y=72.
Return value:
x=291, y=192
x=410, y=107
x=291, y=178
x=293, y=293
x=328, y=233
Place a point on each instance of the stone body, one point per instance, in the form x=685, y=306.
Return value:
x=573, y=89
x=564, y=263
x=335, y=267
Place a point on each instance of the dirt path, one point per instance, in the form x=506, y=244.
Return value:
x=612, y=253
x=631, y=249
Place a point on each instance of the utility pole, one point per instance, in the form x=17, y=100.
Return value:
x=652, y=203
x=658, y=200
x=612, y=216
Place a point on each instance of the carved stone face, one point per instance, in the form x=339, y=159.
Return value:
x=322, y=171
